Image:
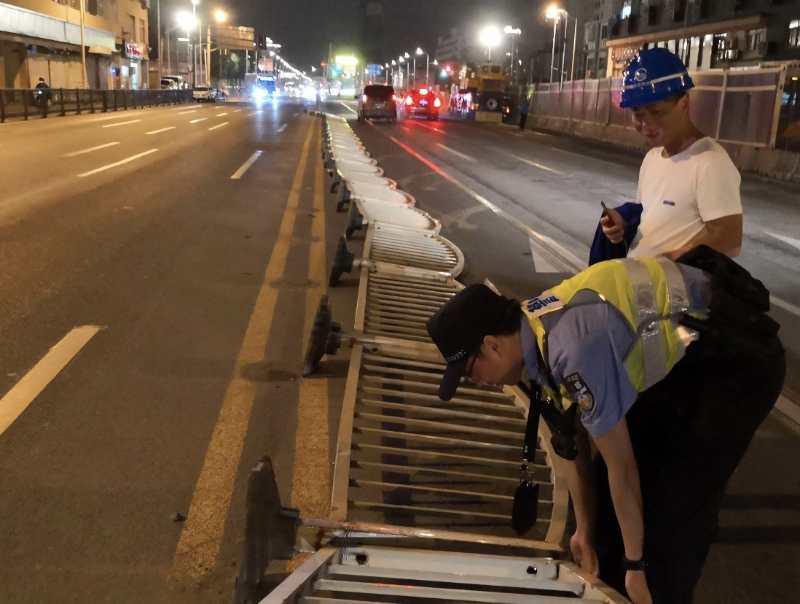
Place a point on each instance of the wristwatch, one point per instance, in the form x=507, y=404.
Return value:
x=636, y=565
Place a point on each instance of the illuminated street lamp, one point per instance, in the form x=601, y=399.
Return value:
x=490, y=37
x=554, y=13
x=418, y=53
x=220, y=16
x=514, y=32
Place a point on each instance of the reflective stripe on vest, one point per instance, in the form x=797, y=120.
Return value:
x=649, y=293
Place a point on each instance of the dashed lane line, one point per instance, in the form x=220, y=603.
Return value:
x=90, y=149
x=456, y=153
x=189, y=111
x=218, y=126
x=246, y=165
x=160, y=130
x=14, y=403
x=117, y=163
x=115, y=124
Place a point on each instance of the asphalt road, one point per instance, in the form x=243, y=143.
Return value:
x=202, y=286
x=523, y=207
x=154, y=309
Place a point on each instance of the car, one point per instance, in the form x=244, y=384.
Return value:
x=424, y=102
x=378, y=102
x=169, y=84
x=204, y=93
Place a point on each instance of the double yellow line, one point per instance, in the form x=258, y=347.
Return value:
x=199, y=544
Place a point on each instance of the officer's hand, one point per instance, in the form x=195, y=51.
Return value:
x=583, y=552
x=636, y=586
x=613, y=226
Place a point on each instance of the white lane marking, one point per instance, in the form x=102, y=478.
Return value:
x=185, y=112
x=258, y=112
x=237, y=111
x=121, y=116
x=246, y=165
x=787, y=306
x=199, y=119
x=36, y=380
x=346, y=106
x=567, y=258
x=537, y=165
x=186, y=107
x=117, y=163
x=161, y=130
x=218, y=126
x=282, y=128
x=223, y=114
x=788, y=240
x=90, y=149
x=115, y=124
x=456, y=153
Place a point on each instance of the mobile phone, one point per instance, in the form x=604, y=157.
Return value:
x=605, y=209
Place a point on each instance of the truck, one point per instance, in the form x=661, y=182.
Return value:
x=482, y=93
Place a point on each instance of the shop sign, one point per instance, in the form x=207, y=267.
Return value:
x=133, y=50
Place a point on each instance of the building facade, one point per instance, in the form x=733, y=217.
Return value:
x=42, y=38
x=706, y=34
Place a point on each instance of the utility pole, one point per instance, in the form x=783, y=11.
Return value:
x=160, y=57
x=83, y=47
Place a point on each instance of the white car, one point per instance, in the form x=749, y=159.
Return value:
x=203, y=93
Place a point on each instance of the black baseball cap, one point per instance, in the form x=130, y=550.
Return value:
x=458, y=329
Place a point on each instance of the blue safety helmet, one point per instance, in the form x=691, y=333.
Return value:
x=653, y=75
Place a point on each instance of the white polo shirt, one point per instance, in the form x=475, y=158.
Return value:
x=680, y=193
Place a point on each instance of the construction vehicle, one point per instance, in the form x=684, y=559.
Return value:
x=483, y=93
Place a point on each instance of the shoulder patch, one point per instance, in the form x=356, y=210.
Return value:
x=579, y=392
x=545, y=303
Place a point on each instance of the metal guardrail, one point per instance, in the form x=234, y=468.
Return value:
x=26, y=104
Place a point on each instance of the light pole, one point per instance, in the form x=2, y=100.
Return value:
x=401, y=60
x=489, y=37
x=386, y=73
x=220, y=17
x=194, y=47
x=514, y=32
x=187, y=22
x=419, y=52
x=407, y=56
x=554, y=12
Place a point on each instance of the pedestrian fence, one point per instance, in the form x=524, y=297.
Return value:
x=751, y=107
x=412, y=475
x=41, y=103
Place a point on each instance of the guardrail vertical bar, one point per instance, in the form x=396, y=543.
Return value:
x=2, y=106
x=78, y=100
x=63, y=108
x=25, y=103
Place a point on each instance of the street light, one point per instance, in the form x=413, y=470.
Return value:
x=220, y=16
x=554, y=12
x=490, y=37
x=419, y=52
x=513, y=32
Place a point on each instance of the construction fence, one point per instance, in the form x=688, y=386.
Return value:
x=757, y=107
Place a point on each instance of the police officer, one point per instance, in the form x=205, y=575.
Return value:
x=689, y=189
x=670, y=368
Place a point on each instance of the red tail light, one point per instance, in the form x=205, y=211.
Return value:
x=409, y=101
x=437, y=102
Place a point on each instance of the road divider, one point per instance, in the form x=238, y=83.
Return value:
x=218, y=126
x=90, y=149
x=45, y=371
x=160, y=130
x=117, y=163
x=246, y=165
x=115, y=124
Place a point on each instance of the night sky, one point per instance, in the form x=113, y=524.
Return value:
x=306, y=27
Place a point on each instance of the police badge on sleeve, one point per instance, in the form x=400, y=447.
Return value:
x=579, y=392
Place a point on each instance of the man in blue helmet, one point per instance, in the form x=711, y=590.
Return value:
x=688, y=186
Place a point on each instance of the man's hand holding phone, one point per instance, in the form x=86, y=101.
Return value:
x=612, y=224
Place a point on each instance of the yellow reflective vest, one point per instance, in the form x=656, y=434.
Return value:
x=650, y=293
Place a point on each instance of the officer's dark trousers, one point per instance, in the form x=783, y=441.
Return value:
x=689, y=433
